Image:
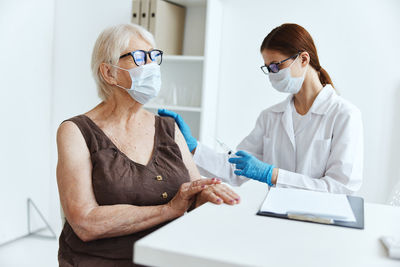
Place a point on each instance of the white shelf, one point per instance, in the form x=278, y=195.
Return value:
x=177, y=58
x=191, y=80
x=176, y=108
x=189, y=3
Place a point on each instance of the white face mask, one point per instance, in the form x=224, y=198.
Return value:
x=146, y=82
x=284, y=82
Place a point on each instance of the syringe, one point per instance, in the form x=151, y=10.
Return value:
x=229, y=151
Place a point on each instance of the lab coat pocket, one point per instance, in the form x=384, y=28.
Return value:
x=321, y=150
x=268, y=150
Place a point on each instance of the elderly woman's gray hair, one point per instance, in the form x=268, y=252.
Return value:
x=108, y=48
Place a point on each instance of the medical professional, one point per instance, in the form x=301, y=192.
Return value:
x=313, y=140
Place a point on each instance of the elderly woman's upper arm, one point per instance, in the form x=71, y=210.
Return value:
x=74, y=172
x=186, y=155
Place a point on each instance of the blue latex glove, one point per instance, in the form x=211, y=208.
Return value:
x=190, y=140
x=249, y=166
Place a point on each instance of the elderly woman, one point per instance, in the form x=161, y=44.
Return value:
x=123, y=172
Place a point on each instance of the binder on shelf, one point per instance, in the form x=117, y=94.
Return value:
x=135, y=11
x=144, y=14
x=166, y=23
x=355, y=220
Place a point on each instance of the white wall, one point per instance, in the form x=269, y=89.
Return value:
x=358, y=44
x=25, y=79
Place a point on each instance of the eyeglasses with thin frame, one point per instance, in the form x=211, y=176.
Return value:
x=139, y=56
x=274, y=67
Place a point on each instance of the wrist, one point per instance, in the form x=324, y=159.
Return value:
x=268, y=176
x=274, y=178
x=192, y=144
x=194, y=204
x=169, y=212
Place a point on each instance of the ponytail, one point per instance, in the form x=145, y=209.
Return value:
x=324, y=77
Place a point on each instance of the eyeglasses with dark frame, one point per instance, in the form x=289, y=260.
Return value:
x=139, y=56
x=274, y=67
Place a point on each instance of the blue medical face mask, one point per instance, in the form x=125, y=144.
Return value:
x=283, y=81
x=146, y=82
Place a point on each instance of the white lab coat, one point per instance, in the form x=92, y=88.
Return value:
x=326, y=155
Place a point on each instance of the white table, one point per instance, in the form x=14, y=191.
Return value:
x=235, y=236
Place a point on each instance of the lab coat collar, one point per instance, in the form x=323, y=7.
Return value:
x=320, y=105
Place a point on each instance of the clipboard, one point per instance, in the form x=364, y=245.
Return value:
x=356, y=204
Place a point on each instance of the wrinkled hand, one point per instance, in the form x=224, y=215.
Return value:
x=217, y=194
x=186, y=195
x=185, y=129
x=249, y=166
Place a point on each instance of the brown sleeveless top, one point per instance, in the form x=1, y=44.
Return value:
x=118, y=180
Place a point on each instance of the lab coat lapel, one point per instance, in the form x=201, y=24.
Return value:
x=287, y=123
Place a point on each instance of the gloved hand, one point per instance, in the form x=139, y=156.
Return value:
x=249, y=166
x=190, y=140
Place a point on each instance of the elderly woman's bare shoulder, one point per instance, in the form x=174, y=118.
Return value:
x=68, y=133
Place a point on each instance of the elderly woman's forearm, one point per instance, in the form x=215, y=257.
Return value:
x=118, y=220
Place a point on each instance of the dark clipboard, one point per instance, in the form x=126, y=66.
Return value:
x=356, y=204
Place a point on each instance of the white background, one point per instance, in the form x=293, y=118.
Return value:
x=45, y=50
x=26, y=75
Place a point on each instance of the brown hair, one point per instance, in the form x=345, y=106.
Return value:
x=290, y=39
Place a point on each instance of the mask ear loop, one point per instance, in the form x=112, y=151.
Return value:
x=294, y=60
x=117, y=83
x=305, y=71
x=118, y=67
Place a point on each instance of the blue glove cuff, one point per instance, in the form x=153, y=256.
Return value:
x=269, y=175
x=192, y=143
